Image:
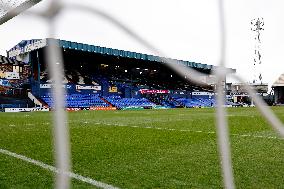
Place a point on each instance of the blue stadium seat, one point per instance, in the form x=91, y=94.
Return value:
x=78, y=100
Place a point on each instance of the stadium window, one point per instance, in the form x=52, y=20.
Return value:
x=16, y=69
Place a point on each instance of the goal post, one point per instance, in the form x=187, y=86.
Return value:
x=14, y=8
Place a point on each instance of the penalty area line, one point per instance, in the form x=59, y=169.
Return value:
x=186, y=130
x=199, y=131
x=55, y=170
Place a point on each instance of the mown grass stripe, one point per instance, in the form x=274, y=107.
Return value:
x=172, y=129
x=55, y=170
x=193, y=131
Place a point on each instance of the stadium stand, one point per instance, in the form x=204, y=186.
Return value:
x=14, y=102
x=78, y=101
x=121, y=103
x=104, y=77
x=14, y=84
x=196, y=102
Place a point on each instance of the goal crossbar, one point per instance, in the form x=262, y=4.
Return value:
x=15, y=11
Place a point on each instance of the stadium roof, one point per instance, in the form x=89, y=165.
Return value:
x=5, y=60
x=26, y=46
x=279, y=82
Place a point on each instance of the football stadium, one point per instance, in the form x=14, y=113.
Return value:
x=129, y=120
x=103, y=78
x=169, y=143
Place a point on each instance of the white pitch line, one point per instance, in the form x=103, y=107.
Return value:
x=171, y=129
x=55, y=170
x=195, y=131
x=257, y=136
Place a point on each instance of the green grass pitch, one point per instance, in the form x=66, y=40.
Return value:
x=173, y=148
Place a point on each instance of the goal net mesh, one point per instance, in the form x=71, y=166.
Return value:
x=61, y=130
x=11, y=8
x=8, y=5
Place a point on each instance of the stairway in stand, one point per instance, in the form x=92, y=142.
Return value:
x=110, y=104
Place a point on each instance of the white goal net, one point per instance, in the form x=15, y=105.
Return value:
x=11, y=8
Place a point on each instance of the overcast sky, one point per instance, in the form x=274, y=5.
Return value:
x=183, y=29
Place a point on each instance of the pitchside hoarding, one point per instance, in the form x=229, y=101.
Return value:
x=147, y=91
x=77, y=87
x=12, y=75
x=89, y=87
x=26, y=109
